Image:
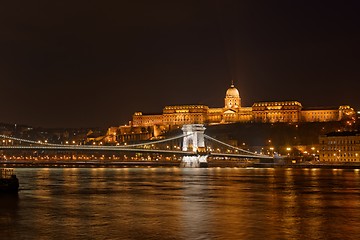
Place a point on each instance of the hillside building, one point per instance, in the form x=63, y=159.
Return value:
x=340, y=147
x=233, y=111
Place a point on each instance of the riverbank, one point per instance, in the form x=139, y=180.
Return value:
x=88, y=164
x=212, y=164
x=301, y=165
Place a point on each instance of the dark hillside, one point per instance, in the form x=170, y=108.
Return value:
x=259, y=134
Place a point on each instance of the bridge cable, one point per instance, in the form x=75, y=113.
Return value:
x=89, y=146
x=154, y=142
x=29, y=141
x=228, y=145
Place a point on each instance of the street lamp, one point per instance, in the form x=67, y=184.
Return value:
x=288, y=149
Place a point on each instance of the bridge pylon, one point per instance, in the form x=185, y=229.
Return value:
x=194, y=141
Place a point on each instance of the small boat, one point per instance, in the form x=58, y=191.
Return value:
x=9, y=183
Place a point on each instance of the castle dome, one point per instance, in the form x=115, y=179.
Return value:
x=232, y=92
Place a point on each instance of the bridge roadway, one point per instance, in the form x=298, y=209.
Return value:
x=90, y=148
x=123, y=149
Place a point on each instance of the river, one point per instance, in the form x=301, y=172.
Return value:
x=175, y=203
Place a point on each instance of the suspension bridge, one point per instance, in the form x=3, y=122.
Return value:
x=194, y=151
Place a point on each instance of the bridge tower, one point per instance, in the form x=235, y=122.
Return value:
x=194, y=143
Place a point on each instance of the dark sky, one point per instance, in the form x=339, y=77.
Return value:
x=94, y=63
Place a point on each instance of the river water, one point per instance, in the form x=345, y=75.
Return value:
x=175, y=203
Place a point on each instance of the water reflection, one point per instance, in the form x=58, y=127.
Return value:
x=8, y=215
x=173, y=203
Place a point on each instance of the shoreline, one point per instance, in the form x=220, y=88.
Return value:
x=134, y=164
x=312, y=166
x=89, y=164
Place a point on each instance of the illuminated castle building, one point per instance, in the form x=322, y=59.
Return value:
x=148, y=126
x=232, y=112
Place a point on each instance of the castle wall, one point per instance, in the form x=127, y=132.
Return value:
x=320, y=115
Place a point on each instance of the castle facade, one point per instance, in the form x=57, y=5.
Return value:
x=232, y=112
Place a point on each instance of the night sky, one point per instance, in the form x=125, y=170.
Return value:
x=94, y=63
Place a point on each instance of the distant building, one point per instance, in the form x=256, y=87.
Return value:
x=340, y=147
x=265, y=112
